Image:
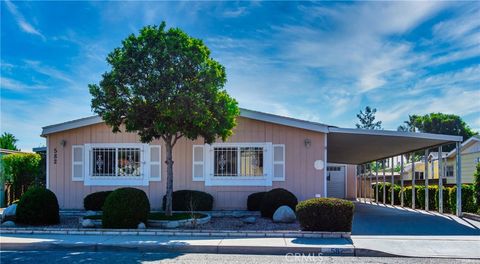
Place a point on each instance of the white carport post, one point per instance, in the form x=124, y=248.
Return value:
x=365, y=182
x=425, y=173
x=370, y=182
x=413, y=180
x=376, y=182
x=440, y=180
x=392, y=190
x=459, y=180
x=384, y=194
x=401, y=180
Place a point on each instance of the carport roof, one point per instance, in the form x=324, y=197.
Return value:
x=357, y=146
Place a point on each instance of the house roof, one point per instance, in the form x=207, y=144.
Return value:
x=434, y=155
x=251, y=114
x=464, y=145
x=345, y=145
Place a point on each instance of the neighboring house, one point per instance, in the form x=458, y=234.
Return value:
x=420, y=168
x=265, y=151
x=470, y=156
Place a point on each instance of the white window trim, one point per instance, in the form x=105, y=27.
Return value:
x=78, y=162
x=266, y=180
x=142, y=180
x=198, y=163
x=278, y=162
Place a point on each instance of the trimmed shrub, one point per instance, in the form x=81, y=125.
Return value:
x=476, y=184
x=184, y=200
x=396, y=194
x=38, y=206
x=325, y=214
x=125, y=208
x=419, y=197
x=276, y=198
x=468, y=203
x=407, y=196
x=254, y=201
x=95, y=201
x=432, y=192
x=446, y=205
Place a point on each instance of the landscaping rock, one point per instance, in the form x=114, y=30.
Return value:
x=8, y=224
x=249, y=220
x=284, y=214
x=9, y=214
x=88, y=223
x=90, y=213
x=141, y=225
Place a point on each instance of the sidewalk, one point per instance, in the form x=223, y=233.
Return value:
x=220, y=245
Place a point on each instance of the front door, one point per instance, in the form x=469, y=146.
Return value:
x=336, y=181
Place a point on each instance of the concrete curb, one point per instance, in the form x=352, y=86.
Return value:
x=174, y=232
x=206, y=249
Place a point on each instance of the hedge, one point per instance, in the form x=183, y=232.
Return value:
x=432, y=192
x=325, y=214
x=254, y=201
x=476, y=184
x=468, y=203
x=184, y=200
x=125, y=208
x=38, y=206
x=446, y=197
x=95, y=201
x=276, y=198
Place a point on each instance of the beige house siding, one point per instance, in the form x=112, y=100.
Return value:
x=468, y=167
x=301, y=177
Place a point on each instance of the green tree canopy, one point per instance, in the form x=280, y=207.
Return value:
x=8, y=141
x=164, y=85
x=439, y=123
x=21, y=170
x=367, y=119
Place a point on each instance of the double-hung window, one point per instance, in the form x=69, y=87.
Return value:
x=238, y=161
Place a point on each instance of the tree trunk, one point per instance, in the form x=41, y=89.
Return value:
x=169, y=162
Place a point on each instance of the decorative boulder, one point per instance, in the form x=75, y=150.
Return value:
x=141, y=225
x=88, y=223
x=249, y=220
x=284, y=214
x=9, y=213
x=8, y=224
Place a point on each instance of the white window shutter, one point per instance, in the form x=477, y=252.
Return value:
x=198, y=164
x=155, y=163
x=278, y=162
x=78, y=164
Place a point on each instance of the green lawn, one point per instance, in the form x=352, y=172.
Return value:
x=158, y=216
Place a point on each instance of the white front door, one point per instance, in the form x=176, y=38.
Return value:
x=336, y=181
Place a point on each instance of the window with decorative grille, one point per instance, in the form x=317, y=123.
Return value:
x=238, y=161
x=110, y=162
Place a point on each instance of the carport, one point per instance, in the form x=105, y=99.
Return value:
x=363, y=147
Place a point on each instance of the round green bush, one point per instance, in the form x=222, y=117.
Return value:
x=325, y=214
x=125, y=208
x=95, y=201
x=254, y=201
x=276, y=198
x=184, y=200
x=38, y=206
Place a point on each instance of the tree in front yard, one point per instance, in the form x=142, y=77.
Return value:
x=476, y=186
x=21, y=170
x=164, y=85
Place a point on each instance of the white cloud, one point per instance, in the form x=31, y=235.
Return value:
x=14, y=85
x=239, y=11
x=21, y=21
x=48, y=71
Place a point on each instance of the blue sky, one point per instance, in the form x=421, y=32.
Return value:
x=316, y=61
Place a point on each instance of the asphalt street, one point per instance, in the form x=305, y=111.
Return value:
x=40, y=257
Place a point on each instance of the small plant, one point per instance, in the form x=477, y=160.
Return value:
x=254, y=201
x=125, y=208
x=95, y=201
x=38, y=206
x=274, y=199
x=325, y=214
x=181, y=200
